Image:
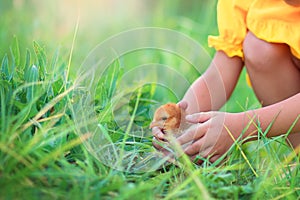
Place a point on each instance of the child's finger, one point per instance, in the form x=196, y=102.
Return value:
x=161, y=146
x=195, y=132
x=158, y=133
x=214, y=158
x=183, y=105
x=156, y=144
x=194, y=148
x=199, y=117
x=197, y=158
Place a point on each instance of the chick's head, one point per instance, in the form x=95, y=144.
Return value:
x=167, y=117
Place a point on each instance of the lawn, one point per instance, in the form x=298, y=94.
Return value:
x=80, y=81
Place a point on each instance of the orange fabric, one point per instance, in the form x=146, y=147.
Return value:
x=270, y=20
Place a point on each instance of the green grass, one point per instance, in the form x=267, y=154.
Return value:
x=45, y=144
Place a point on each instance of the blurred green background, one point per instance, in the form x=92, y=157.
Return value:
x=53, y=23
x=63, y=169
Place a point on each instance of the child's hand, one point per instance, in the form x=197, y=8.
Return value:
x=210, y=139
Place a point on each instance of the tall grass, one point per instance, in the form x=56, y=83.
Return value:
x=42, y=157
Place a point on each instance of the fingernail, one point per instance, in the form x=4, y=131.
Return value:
x=154, y=129
x=160, y=136
x=189, y=117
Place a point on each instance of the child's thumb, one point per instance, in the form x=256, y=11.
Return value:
x=183, y=105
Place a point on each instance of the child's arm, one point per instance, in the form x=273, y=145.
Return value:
x=213, y=134
x=281, y=115
x=214, y=87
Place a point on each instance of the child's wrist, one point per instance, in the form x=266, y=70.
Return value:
x=249, y=124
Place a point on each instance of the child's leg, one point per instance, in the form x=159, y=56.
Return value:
x=274, y=72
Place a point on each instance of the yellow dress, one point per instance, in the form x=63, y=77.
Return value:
x=270, y=20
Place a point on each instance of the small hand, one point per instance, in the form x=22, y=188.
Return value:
x=208, y=136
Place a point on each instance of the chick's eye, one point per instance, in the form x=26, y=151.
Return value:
x=164, y=118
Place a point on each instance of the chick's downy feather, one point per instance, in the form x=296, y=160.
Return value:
x=168, y=118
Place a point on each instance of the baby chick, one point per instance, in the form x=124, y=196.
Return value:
x=168, y=118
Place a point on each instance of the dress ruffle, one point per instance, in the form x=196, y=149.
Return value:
x=270, y=20
x=276, y=32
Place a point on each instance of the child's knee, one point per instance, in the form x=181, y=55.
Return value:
x=262, y=56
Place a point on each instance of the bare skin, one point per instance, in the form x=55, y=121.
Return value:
x=275, y=76
x=280, y=77
x=293, y=2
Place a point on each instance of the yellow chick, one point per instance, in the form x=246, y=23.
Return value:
x=168, y=118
